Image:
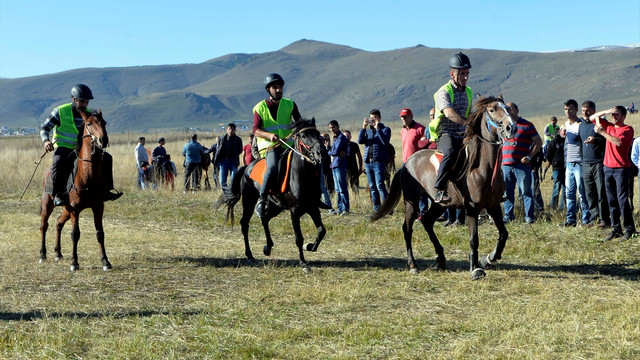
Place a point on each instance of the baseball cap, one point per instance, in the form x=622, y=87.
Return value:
x=406, y=111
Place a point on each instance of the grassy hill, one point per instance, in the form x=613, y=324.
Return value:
x=327, y=81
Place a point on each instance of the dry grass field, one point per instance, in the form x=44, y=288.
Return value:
x=181, y=287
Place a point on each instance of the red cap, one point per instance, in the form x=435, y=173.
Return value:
x=406, y=111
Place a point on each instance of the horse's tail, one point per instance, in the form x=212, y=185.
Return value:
x=231, y=194
x=392, y=200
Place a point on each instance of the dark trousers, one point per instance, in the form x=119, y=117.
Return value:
x=449, y=146
x=593, y=176
x=60, y=169
x=192, y=176
x=617, y=186
x=271, y=173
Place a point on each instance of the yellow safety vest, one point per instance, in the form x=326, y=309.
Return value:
x=277, y=126
x=434, y=125
x=67, y=133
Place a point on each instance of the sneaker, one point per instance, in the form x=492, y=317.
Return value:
x=614, y=234
x=449, y=222
x=441, y=197
x=568, y=224
x=529, y=220
x=588, y=225
x=333, y=212
x=344, y=213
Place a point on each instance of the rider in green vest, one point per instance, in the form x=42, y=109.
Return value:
x=66, y=122
x=271, y=119
x=452, y=101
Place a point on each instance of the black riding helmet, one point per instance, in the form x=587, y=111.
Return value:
x=81, y=91
x=271, y=78
x=460, y=61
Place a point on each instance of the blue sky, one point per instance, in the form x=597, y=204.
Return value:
x=41, y=37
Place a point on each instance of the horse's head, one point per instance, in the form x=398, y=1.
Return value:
x=307, y=139
x=94, y=127
x=492, y=118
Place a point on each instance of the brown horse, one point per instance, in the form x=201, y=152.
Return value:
x=88, y=191
x=477, y=185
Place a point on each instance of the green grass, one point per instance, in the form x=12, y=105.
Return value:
x=181, y=287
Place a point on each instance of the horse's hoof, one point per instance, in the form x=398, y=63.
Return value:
x=58, y=258
x=107, y=267
x=306, y=269
x=478, y=274
x=487, y=263
x=74, y=268
x=441, y=263
x=413, y=271
x=310, y=247
x=266, y=250
x=42, y=260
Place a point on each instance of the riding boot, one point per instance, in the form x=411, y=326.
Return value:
x=263, y=206
x=107, y=170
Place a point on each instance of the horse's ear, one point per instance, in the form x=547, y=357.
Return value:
x=313, y=121
x=500, y=98
x=480, y=97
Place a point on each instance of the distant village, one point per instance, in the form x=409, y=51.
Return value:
x=5, y=131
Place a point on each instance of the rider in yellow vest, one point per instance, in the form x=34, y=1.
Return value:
x=452, y=102
x=271, y=120
x=66, y=123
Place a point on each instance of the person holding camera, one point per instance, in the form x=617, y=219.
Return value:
x=375, y=137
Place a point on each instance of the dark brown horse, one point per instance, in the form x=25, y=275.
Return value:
x=88, y=191
x=301, y=195
x=476, y=185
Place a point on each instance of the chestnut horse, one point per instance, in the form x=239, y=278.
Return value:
x=301, y=196
x=476, y=185
x=88, y=191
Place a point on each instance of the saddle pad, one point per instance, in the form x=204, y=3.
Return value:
x=258, y=170
x=48, y=183
x=435, y=159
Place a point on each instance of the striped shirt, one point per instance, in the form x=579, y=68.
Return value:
x=572, y=144
x=515, y=149
x=460, y=103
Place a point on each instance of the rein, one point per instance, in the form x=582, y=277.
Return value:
x=299, y=144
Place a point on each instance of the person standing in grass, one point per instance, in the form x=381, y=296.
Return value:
x=193, y=152
x=555, y=157
x=142, y=162
x=617, y=169
x=574, y=182
x=375, y=137
x=247, y=154
x=227, y=154
x=338, y=153
x=516, y=165
x=593, y=146
x=413, y=139
x=550, y=132
x=354, y=163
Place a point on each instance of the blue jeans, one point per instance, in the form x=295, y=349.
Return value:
x=226, y=167
x=342, y=189
x=375, y=176
x=572, y=183
x=271, y=173
x=518, y=174
x=558, y=188
x=324, y=195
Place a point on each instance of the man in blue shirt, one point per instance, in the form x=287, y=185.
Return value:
x=338, y=153
x=375, y=137
x=193, y=152
x=574, y=183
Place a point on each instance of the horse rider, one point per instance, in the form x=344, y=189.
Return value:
x=66, y=123
x=452, y=105
x=271, y=120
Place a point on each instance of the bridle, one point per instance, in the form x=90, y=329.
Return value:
x=300, y=145
x=498, y=125
x=87, y=133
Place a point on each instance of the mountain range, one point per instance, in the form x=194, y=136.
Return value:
x=327, y=81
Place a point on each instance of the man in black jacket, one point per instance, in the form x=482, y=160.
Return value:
x=555, y=157
x=227, y=156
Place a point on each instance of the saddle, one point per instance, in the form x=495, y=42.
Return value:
x=260, y=167
x=48, y=185
x=458, y=166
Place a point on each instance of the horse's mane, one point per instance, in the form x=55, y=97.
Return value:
x=475, y=118
x=471, y=140
x=303, y=123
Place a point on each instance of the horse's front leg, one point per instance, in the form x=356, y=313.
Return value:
x=98, y=212
x=317, y=221
x=476, y=270
x=295, y=221
x=75, y=237
x=62, y=219
x=490, y=260
x=267, y=233
x=46, y=207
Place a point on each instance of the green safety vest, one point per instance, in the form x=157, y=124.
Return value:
x=278, y=126
x=67, y=133
x=434, y=125
x=551, y=130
